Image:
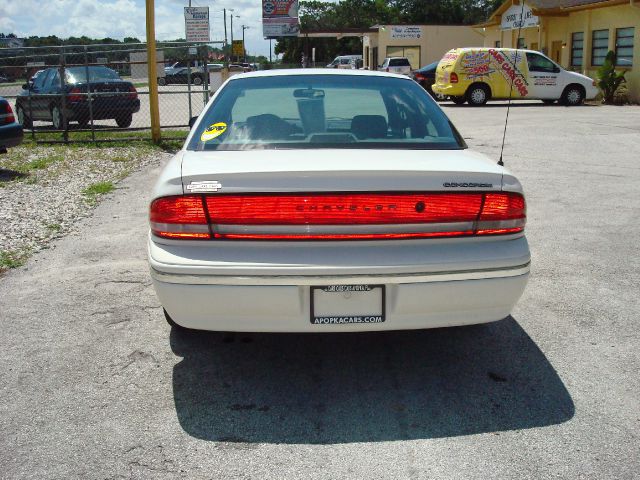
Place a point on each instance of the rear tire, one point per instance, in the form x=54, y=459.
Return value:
x=56, y=118
x=124, y=120
x=22, y=118
x=477, y=95
x=197, y=81
x=162, y=81
x=572, y=96
x=457, y=100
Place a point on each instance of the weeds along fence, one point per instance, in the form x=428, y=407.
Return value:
x=101, y=92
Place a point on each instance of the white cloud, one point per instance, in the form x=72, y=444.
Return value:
x=126, y=18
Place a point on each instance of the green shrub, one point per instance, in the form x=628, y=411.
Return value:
x=608, y=79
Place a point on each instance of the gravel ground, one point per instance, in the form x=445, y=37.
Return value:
x=44, y=190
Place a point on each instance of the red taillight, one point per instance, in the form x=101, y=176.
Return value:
x=453, y=77
x=502, y=213
x=133, y=94
x=74, y=95
x=420, y=77
x=344, y=209
x=6, y=114
x=387, y=69
x=348, y=216
x=179, y=217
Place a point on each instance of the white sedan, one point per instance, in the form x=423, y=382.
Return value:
x=333, y=200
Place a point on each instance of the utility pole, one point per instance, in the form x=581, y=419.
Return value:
x=152, y=71
x=226, y=45
x=231, y=10
x=225, y=68
x=244, y=48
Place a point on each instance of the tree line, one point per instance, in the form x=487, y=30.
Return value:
x=319, y=15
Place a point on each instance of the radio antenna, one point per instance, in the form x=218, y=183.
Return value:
x=515, y=69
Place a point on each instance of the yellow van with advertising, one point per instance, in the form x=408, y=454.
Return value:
x=476, y=75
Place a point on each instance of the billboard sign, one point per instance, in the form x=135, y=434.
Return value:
x=237, y=48
x=518, y=16
x=196, y=24
x=401, y=32
x=280, y=18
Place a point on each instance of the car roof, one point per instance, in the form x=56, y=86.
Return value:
x=431, y=66
x=468, y=49
x=317, y=71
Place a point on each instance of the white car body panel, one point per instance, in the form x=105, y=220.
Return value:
x=264, y=286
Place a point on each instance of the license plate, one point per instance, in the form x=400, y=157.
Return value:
x=345, y=304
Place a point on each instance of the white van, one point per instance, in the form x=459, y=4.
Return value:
x=476, y=75
x=345, y=61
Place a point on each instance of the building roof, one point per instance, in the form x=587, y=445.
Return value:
x=541, y=7
x=552, y=4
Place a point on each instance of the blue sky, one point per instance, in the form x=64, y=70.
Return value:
x=121, y=18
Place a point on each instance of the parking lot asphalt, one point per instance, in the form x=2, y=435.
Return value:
x=95, y=384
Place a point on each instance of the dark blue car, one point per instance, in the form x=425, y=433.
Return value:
x=10, y=130
x=49, y=98
x=426, y=76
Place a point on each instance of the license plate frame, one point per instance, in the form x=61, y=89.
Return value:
x=347, y=319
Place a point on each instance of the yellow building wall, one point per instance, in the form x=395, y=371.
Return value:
x=434, y=42
x=560, y=28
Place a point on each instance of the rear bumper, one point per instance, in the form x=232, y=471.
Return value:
x=456, y=90
x=11, y=135
x=270, y=297
x=103, y=108
x=429, y=302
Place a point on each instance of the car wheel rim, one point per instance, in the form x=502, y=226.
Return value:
x=573, y=96
x=56, y=118
x=478, y=95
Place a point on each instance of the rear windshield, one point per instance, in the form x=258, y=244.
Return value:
x=399, y=62
x=324, y=111
x=79, y=74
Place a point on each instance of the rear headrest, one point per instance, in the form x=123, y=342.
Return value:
x=369, y=126
x=268, y=127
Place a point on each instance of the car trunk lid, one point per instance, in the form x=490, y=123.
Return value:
x=279, y=195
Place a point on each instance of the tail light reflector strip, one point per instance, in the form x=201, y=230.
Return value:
x=427, y=215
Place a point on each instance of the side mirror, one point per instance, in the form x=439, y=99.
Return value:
x=192, y=122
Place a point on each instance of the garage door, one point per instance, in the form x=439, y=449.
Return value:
x=412, y=53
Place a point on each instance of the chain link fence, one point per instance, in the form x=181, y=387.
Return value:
x=101, y=92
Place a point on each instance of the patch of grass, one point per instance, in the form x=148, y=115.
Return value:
x=172, y=140
x=54, y=227
x=43, y=162
x=120, y=159
x=12, y=259
x=20, y=164
x=99, y=188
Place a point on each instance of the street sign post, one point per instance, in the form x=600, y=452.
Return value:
x=196, y=23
